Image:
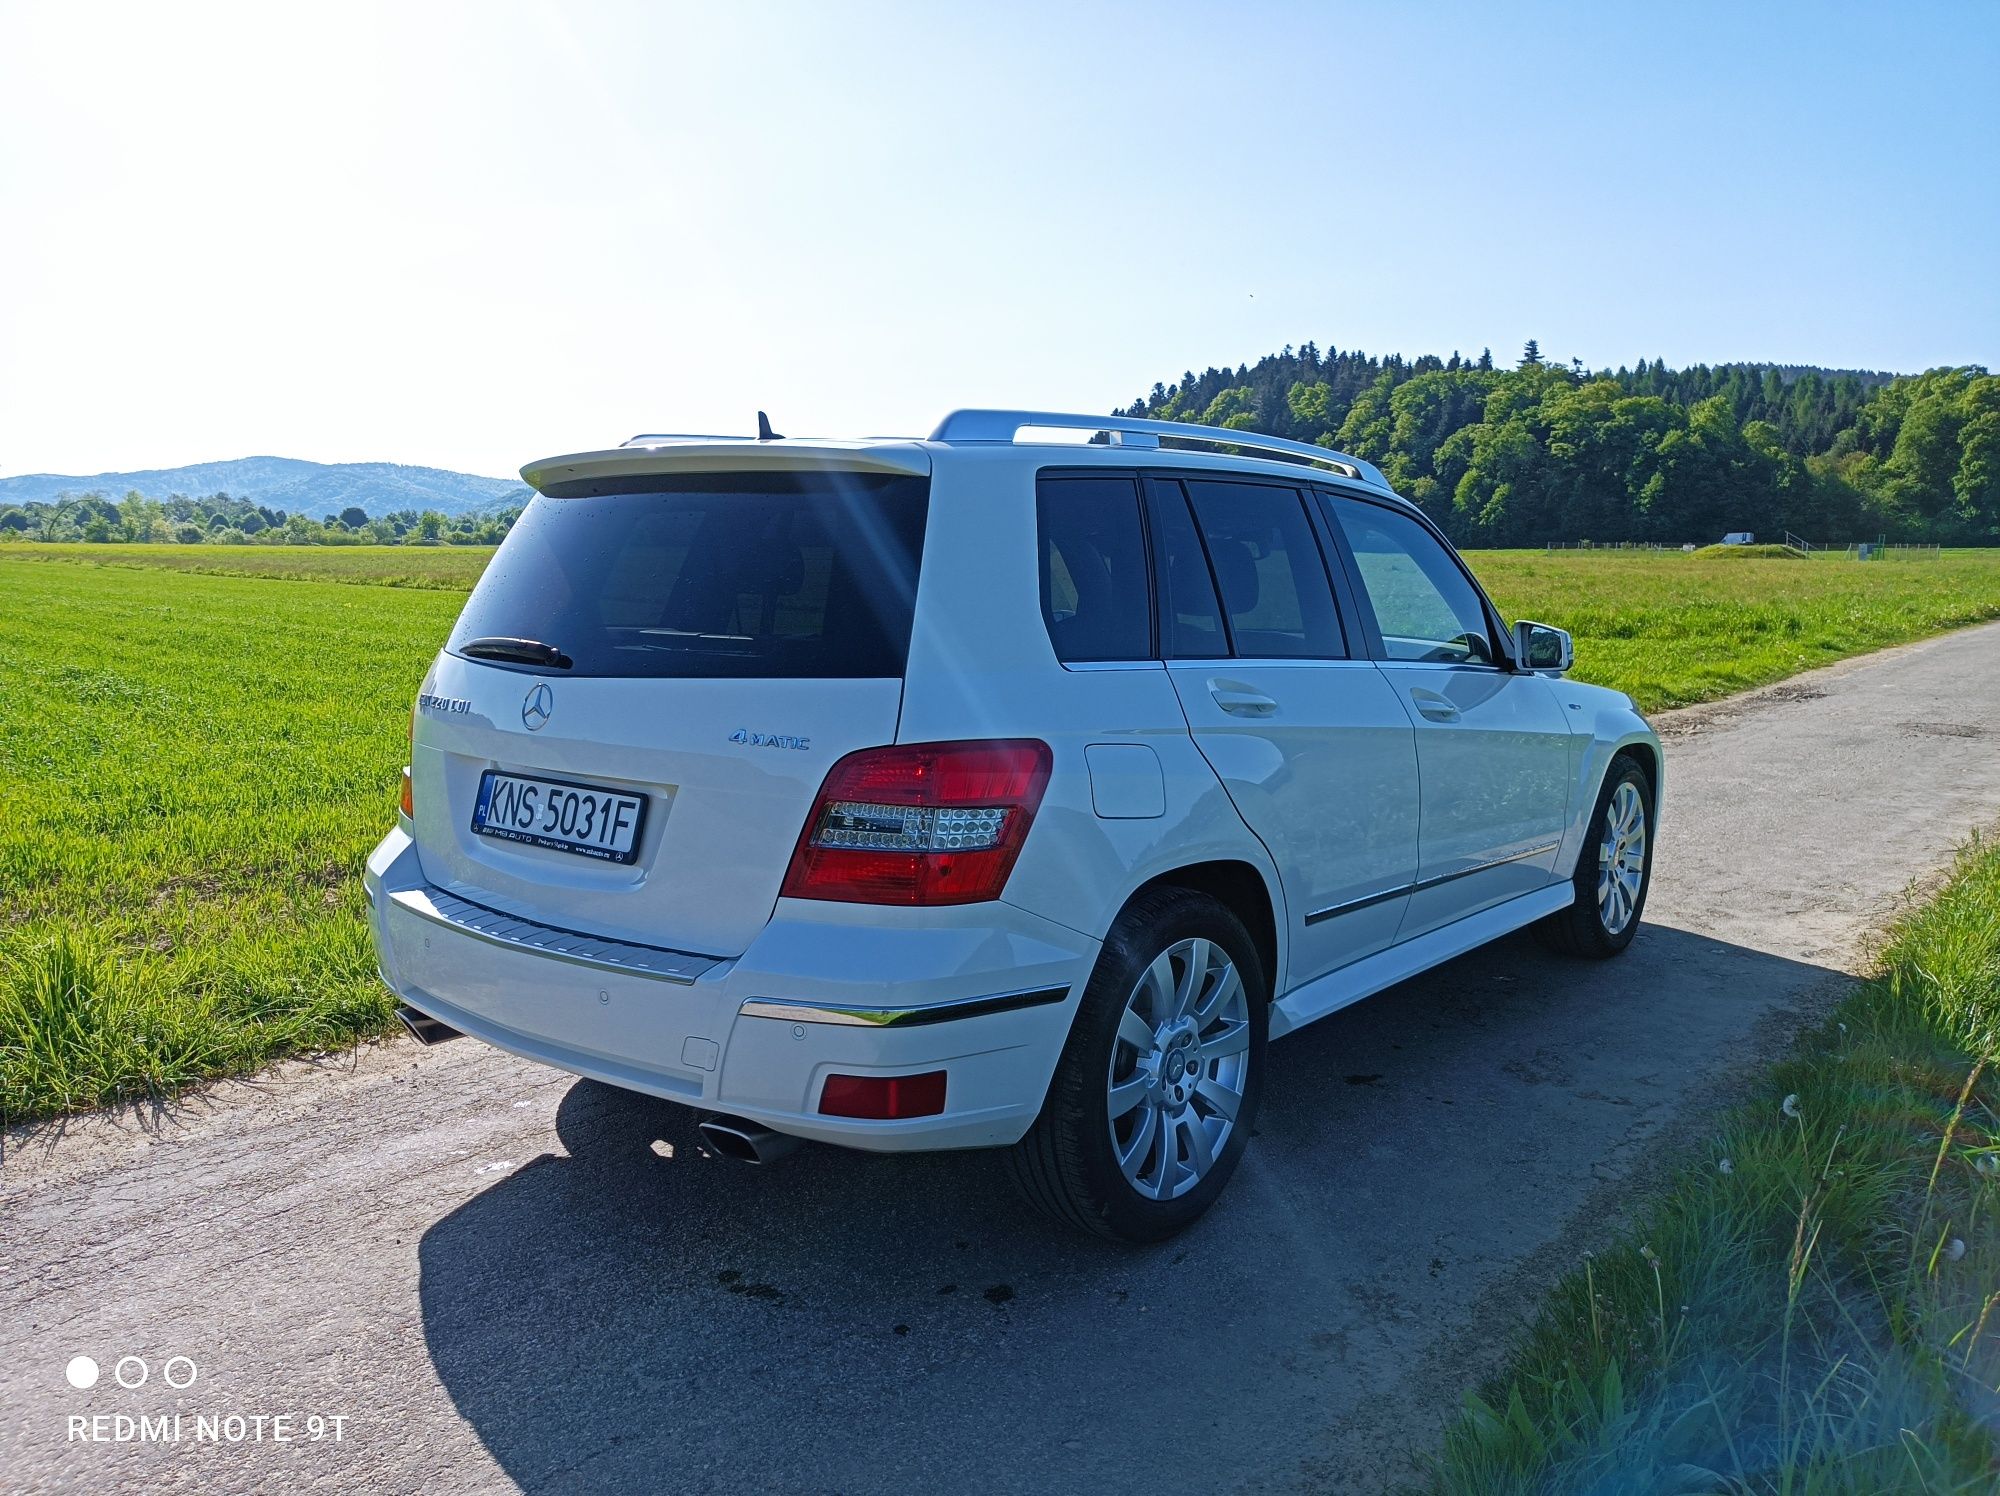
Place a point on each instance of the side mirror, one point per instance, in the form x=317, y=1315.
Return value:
x=1542, y=649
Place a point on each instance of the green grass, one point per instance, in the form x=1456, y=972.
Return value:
x=1812, y=1306
x=195, y=759
x=191, y=772
x=1673, y=629
x=447, y=568
x=1748, y=553
x=1670, y=629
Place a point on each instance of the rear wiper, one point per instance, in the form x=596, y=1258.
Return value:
x=522, y=651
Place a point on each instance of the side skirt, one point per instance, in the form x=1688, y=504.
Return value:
x=1368, y=976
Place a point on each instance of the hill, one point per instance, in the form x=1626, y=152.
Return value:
x=287, y=483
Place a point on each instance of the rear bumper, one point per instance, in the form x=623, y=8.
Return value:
x=984, y=992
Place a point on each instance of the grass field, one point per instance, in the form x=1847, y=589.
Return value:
x=195, y=758
x=1673, y=629
x=1668, y=628
x=444, y=568
x=1812, y=1307
x=191, y=772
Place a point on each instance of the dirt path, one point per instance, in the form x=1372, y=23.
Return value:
x=498, y=1276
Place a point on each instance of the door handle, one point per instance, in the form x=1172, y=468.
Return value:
x=1240, y=700
x=1434, y=707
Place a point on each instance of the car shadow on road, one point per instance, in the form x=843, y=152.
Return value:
x=640, y=1315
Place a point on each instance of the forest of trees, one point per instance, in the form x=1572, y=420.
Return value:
x=218, y=519
x=1544, y=452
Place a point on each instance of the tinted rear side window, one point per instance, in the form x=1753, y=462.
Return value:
x=1267, y=562
x=1190, y=618
x=1092, y=555
x=746, y=575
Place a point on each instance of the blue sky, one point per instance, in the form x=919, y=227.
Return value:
x=473, y=235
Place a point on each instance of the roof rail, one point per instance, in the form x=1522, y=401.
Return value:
x=1130, y=431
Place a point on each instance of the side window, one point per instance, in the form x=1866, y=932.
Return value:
x=1424, y=605
x=1092, y=555
x=1190, y=618
x=1267, y=563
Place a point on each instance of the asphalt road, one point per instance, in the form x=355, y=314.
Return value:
x=497, y=1276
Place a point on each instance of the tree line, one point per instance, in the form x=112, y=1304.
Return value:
x=1551, y=452
x=219, y=519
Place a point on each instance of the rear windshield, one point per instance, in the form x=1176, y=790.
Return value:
x=749, y=575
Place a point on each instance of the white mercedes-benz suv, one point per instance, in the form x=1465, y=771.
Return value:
x=1007, y=788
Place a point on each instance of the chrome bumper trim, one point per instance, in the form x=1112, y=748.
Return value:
x=598, y=951
x=796, y=1011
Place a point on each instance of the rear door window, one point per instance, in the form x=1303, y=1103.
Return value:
x=1191, y=625
x=1092, y=557
x=809, y=575
x=1268, y=565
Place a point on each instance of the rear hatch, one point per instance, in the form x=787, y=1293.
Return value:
x=631, y=718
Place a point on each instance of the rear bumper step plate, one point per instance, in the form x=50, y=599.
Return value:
x=482, y=923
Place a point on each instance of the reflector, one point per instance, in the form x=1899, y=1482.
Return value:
x=883, y=1097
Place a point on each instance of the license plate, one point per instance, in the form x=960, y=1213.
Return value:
x=580, y=818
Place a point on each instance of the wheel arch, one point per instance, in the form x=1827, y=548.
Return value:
x=1646, y=754
x=1621, y=734
x=1243, y=889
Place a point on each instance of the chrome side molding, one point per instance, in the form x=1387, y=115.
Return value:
x=1422, y=884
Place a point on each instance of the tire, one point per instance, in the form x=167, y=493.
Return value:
x=1599, y=923
x=1181, y=1055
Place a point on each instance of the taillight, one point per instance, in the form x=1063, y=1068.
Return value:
x=920, y=823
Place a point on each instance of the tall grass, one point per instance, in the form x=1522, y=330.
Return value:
x=191, y=772
x=1813, y=1304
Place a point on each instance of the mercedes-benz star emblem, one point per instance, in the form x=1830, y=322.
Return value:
x=538, y=708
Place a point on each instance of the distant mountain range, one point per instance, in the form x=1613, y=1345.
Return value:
x=289, y=483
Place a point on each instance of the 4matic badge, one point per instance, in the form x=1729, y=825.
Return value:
x=769, y=739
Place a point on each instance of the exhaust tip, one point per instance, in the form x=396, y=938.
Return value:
x=746, y=1142
x=424, y=1028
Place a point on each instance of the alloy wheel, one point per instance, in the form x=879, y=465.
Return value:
x=1621, y=858
x=1179, y=1066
